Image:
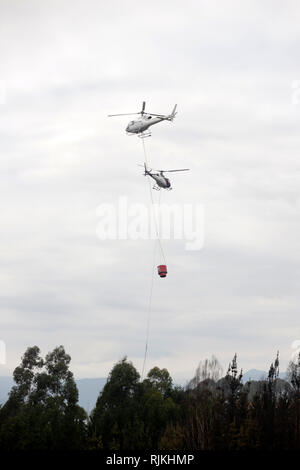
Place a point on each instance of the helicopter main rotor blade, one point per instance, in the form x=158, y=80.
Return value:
x=171, y=171
x=123, y=114
x=158, y=115
x=143, y=107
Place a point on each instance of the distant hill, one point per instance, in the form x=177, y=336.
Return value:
x=88, y=389
x=255, y=374
x=257, y=386
x=5, y=385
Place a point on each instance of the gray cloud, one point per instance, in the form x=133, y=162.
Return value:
x=230, y=68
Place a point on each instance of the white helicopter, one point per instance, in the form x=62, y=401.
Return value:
x=145, y=121
x=160, y=179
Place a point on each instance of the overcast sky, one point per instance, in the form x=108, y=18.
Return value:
x=231, y=67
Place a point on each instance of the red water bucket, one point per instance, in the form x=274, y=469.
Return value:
x=162, y=270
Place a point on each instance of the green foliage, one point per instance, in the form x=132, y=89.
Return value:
x=212, y=413
x=161, y=380
x=173, y=438
x=130, y=414
x=115, y=417
x=42, y=410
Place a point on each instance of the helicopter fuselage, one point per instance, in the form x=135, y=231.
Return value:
x=142, y=124
x=161, y=180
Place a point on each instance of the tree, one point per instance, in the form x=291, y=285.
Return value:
x=294, y=375
x=42, y=410
x=157, y=405
x=129, y=414
x=266, y=407
x=235, y=404
x=114, y=420
x=294, y=378
x=173, y=438
x=209, y=370
x=161, y=380
x=273, y=374
x=234, y=381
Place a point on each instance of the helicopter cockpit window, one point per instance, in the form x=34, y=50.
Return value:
x=149, y=117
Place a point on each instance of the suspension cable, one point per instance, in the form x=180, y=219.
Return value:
x=153, y=211
x=156, y=241
x=149, y=310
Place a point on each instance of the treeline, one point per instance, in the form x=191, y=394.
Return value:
x=211, y=413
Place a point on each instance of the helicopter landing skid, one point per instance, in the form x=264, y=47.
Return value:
x=143, y=135
x=157, y=188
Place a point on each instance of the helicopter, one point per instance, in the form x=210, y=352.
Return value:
x=160, y=179
x=146, y=120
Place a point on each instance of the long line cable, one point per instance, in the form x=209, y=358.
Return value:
x=157, y=240
x=149, y=310
x=152, y=204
